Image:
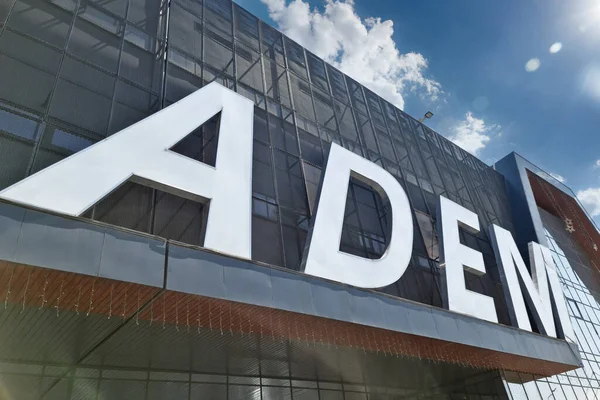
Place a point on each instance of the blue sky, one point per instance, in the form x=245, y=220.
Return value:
x=483, y=67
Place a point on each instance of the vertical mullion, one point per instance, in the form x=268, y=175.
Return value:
x=167, y=8
x=295, y=121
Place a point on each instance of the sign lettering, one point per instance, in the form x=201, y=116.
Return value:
x=141, y=153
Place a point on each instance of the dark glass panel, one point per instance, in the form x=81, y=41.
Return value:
x=57, y=144
x=296, y=61
x=272, y=44
x=129, y=206
x=385, y=143
x=302, y=97
x=318, y=76
x=18, y=136
x=324, y=110
x=263, y=183
x=202, y=143
x=47, y=20
x=277, y=83
x=295, y=229
x=185, y=31
x=346, y=120
x=248, y=67
x=218, y=13
x=141, y=60
x=283, y=135
x=253, y=95
x=312, y=175
x=209, y=74
x=246, y=27
x=290, y=183
x=147, y=15
x=266, y=237
x=5, y=7
x=356, y=95
x=96, y=38
x=368, y=136
x=83, y=96
x=218, y=51
x=428, y=233
x=305, y=394
x=310, y=146
x=375, y=108
x=183, y=75
x=191, y=6
x=131, y=104
x=365, y=227
x=338, y=84
x=179, y=219
x=209, y=391
x=261, y=130
x=28, y=71
x=116, y=7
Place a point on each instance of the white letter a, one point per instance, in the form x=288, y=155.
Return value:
x=141, y=153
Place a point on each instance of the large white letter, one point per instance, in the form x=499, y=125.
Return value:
x=324, y=258
x=141, y=153
x=537, y=291
x=455, y=257
x=542, y=260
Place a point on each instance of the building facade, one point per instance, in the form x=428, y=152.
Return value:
x=78, y=325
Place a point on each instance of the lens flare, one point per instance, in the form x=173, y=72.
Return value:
x=556, y=47
x=532, y=65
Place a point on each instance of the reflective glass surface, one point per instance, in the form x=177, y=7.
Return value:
x=73, y=72
x=95, y=67
x=579, y=279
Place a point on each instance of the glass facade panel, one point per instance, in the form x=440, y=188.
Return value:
x=303, y=105
x=96, y=38
x=318, y=76
x=72, y=73
x=28, y=70
x=579, y=278
x=93, y=90
x=218, y=50
x=185, y=29
x=248, y=66
x=48, y=21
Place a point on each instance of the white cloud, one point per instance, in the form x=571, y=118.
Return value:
x=472, y=134
x=597, y=165
x=558, y=177
x=361, y=48
x=590, y=198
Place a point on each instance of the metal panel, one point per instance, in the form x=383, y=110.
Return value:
x=396, y=318
x=448, y=329
x=421, y=321
x=132, y=258
x=11, y=219
x=248, y=283
x=331, y=300
x=60, y=243
x=366, y=308
x=292, y=292
x=195, y=272
x=488, y=337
